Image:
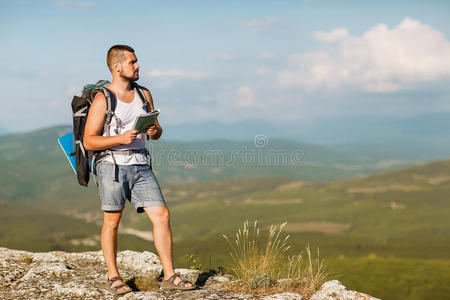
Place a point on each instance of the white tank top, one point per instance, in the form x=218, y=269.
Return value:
x=127, y=113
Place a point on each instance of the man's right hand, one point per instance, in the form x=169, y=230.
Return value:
x=129, y=136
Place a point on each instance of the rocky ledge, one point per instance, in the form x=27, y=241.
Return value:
x=62, y=275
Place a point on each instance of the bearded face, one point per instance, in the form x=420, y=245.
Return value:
x=129, y=68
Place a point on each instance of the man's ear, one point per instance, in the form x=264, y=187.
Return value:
x=117, y=67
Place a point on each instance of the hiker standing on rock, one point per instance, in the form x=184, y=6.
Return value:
x=124, y=172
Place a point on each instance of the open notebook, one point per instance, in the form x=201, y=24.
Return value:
x=144, y=121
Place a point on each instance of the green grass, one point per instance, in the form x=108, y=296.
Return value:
x=36, y=229
x=394, y=278
x=33, y=229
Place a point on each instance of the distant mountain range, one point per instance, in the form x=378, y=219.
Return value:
x=323, y=131
x=423, y=137
x=326, y=131
x=3, y=131
x=32, y=162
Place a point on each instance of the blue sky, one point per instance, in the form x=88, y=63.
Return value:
x=229, y=60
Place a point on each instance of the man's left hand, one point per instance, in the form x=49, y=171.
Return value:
x=152, y=130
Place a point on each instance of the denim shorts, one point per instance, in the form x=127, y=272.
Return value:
x=135, y=183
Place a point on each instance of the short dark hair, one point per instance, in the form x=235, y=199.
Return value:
x=115, y=54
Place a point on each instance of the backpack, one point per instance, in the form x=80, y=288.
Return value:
x=86, y=159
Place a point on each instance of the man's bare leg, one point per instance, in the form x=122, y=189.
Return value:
x=162, y=237
x=108, y=240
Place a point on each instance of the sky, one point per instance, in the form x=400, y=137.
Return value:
x=229, y=61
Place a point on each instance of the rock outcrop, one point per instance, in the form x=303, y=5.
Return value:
x=61, y=275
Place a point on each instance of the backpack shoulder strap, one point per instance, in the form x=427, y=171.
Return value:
x=145, y=104
x=109, y=108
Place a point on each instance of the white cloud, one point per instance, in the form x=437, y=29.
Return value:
x=245, y=96
x=334, y=35
x=262, y=25
x=266, y=55
x=75, y=4
x=262, y=71
x=381, y=60
x=220, y=56
x=177, y=74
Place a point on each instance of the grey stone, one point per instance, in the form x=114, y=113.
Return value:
x=334, y=289
x=145, y=263
x=188, y=274
x=217, y=281
x=61, y=275
x=283, y=296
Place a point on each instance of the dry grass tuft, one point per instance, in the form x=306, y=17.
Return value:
x=265, y=268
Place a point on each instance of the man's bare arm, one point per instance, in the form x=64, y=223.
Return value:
x=94, y=125
x=155, y=131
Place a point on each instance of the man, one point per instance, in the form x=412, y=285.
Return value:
x=127, y=175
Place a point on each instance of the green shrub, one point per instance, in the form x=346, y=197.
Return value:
x=196, y=265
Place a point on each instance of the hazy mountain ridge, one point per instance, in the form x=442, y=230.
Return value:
x=322, y=131
x=424, y=136
x=33, y=163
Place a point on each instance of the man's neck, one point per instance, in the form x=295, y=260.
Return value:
x=120, y=85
